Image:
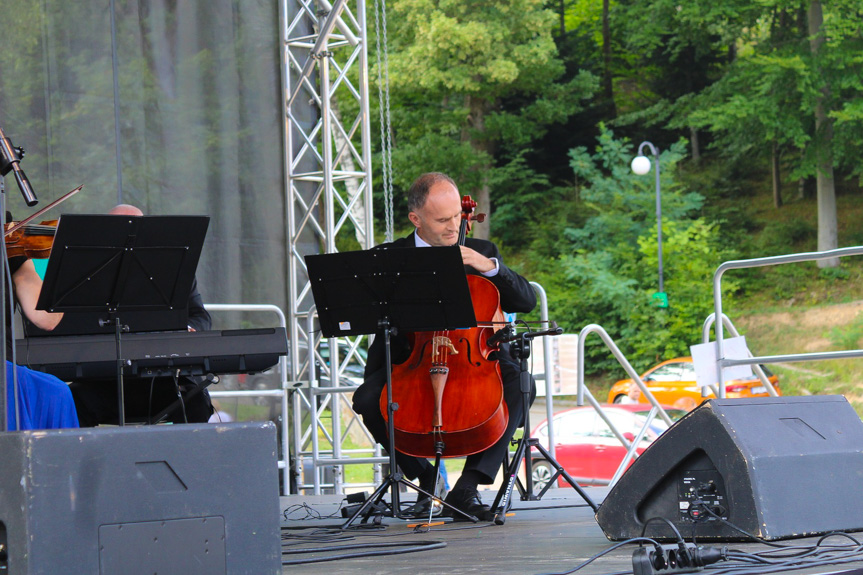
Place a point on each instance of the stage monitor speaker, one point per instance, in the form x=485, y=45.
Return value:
x=775, y=467
x=168, y=499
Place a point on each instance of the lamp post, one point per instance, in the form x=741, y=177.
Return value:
x=641, y=165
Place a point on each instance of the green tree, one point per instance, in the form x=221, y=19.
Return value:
x=474, y=84
x=790, y=85
x=605, y=271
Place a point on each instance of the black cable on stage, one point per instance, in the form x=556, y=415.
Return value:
x=783, y=558
x=310, y=512
x=743, y=531
x=335, y=534
x=668, y=522
x=838, y=534
x=379, y=530
x=786, y=557
x=546, y=507
x=784, y=567
x=289, y=540
x=779, y=559
x=605, y=552
x=405, y=547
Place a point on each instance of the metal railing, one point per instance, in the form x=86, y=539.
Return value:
x=656, y=409
x=721, y=361
x=281, y=393
x=548, y=376
x=759, y=372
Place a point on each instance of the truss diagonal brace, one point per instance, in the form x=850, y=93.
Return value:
x=323, y=37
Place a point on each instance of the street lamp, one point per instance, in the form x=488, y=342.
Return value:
x=641, y=165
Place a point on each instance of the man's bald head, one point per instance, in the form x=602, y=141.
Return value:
x=125, y=210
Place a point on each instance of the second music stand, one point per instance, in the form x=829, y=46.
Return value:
x=410, y=289
x=114, y=264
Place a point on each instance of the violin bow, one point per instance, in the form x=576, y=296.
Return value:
x=35, y=215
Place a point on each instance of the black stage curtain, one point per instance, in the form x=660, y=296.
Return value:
x=170, y=105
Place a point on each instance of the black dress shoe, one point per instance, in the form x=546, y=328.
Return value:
x=468, y=501
x=424, y=504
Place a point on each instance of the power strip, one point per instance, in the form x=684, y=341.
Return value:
x=681, y=558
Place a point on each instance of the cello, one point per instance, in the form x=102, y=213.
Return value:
x=449, y=393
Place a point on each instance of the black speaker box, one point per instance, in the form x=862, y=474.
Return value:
x=775, y=467
x=167, y=499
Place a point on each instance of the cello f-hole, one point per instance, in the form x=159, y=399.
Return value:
x=421, y=354
x=469, y=348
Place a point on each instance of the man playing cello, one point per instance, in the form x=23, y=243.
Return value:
x=436, y=213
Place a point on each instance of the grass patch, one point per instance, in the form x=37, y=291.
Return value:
x=823, y=328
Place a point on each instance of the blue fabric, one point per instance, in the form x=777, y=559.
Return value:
x=45, y=402
x=41, y=265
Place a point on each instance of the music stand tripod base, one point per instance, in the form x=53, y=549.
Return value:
x=384, y=291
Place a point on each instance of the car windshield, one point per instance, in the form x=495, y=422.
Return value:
x=668, y=372
x=658, y=424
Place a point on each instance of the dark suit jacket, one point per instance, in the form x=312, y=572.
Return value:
x=516, y=295
x=199, y=317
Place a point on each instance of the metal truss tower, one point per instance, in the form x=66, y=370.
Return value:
x=328, y=203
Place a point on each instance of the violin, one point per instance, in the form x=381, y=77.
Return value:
x=34, y=241
x=449, y=393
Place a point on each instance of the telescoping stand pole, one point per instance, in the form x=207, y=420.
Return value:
x=520, y=350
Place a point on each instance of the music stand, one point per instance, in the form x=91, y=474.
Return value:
x=114, y=264
x=412, y=289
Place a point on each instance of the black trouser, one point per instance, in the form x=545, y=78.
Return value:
x=367, y=403
x=96, y=401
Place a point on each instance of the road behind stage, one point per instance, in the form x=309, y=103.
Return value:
x=553, y=535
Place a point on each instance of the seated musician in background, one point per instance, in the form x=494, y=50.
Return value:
x=96, y=401
x=435, y=211
x=44, y=402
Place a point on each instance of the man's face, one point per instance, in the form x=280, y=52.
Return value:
x=438, y=221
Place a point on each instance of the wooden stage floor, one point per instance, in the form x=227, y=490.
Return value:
x=554, y=535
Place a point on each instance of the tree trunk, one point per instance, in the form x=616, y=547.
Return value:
x=777, y=176
x=803, y=187
x=827, y=226
x=562, y=8
x=694, y=143
x=481, y=194
x=607, y=84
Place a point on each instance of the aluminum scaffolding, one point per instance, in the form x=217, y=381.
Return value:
x=328, y=195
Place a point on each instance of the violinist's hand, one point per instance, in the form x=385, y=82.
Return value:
x=476, y=260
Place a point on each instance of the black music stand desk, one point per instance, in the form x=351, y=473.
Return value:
x=410, y=289
x=114, y=264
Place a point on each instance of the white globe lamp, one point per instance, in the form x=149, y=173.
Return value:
x=640, y=165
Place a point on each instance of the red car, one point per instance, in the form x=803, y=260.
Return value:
x=585, y=446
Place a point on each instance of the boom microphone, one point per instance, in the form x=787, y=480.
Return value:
x=501, y=336
x=506, y=334
x=10, y=157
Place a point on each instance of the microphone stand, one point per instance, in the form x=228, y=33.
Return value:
x=520, y=350
x=4, y=421
x=10, y=158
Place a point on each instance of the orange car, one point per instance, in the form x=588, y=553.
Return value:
x=673, y=383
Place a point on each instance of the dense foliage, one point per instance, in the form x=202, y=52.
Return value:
x=542, y=106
